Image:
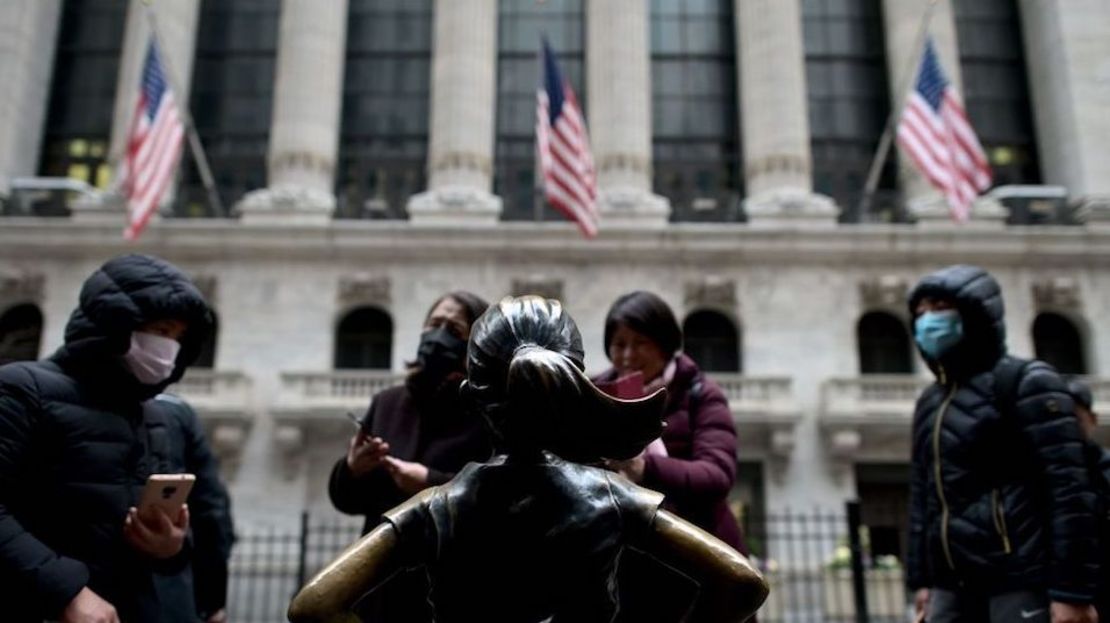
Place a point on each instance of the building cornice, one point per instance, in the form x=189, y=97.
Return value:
x=685, y=244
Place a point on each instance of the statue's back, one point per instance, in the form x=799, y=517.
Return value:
x=513, y=541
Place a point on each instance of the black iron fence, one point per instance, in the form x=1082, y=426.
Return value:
x=819, y=564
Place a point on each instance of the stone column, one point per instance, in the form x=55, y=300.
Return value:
x=304, y=132
x=463, y=109
x=902, y=20
x=778, y=167
x=177, y=27
x=1066, y=49
x=618, y=73
x=28, y=37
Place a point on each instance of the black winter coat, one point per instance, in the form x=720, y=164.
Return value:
x=1000, y=499
x=75, y=451
x=439, y=433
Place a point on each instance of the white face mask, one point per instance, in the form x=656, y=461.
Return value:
x=151, y=358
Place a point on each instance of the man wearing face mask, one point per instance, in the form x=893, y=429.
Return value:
x=80, y=434
x=412, y=437
x=1002, y=512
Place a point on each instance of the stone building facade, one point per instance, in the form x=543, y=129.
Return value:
x=322, y=272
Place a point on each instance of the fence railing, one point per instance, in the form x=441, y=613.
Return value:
x=806, y=557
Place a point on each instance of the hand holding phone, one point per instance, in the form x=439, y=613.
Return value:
x=365, y=453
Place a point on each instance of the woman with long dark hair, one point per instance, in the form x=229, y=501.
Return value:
x=534, y=535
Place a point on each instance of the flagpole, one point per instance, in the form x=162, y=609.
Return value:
x=896, y=113
x=195, y=145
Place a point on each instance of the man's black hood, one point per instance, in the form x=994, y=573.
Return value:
x=978, y=298
x=121, y=295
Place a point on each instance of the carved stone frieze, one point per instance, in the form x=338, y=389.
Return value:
x=884, y=292
x=713, y=292
x=547, y=287
x=364, y=289
x=1056, y=293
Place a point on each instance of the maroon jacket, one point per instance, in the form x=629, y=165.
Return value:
x=700, y=468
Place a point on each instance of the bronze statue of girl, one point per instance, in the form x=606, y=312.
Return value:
x=536, y=534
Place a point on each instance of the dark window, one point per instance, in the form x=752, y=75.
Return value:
x=695, y=121
x=231, y=100
x=521, y=27
x=83, y=91
x=996, y=87
x=383, y=145
x=20, y=333
x=849, y=102
x=884, y=345
x=364, y=339
x=1056, y=340
x=711, y=340
x=884, y=498
x=207, y=356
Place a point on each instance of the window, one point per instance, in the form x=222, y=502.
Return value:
x=884, y=499
x=996, y=87
x=695, y=120
x=383, y=144
x=849, y=102
x=83, y=92
x=884, y=345
x=207, y=356
x=364, y=339
x=20, y=333
x=1056, y=340
x=521, y=27
x=231, y=100
x=711, y=339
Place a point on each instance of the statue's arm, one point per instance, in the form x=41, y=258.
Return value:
x=330, y=595
x=731, y=590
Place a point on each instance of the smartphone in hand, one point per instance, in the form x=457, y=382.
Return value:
x=167, y=492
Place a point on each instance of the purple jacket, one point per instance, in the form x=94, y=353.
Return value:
x=700, y=468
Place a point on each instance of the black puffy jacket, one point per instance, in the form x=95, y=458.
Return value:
x=1000, y=498
x=75, y=451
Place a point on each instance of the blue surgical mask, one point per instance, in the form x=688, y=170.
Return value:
x=938, y=331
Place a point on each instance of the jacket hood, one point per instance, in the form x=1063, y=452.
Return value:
x=978, y=299
x=120, y=296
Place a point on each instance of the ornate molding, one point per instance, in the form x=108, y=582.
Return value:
x=1057, y=293
x=623, y=162
x=462, y=160
x=547, y=287
x=364, y=289
x=884, y=292
x=21, y=286
x=776, y=163
x=302, y=160
x=713, y=292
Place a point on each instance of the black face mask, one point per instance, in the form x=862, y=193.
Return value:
x=440, y=352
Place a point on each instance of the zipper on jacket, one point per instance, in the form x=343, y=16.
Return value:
x=1000, y=521
x=937, y=476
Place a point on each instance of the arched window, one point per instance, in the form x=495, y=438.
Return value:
x=1056, y=340
x=711, y=340
x=364, y=339
x=20, y=333
x=207, y=356
x=383, y=139
x=884, y=345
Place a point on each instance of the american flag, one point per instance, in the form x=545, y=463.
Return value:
x=153, y=145
x=937, y=135
x=569, y=182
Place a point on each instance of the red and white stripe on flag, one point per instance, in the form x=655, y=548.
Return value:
x=569, y=180
x=153, y=146
x=937, y=135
